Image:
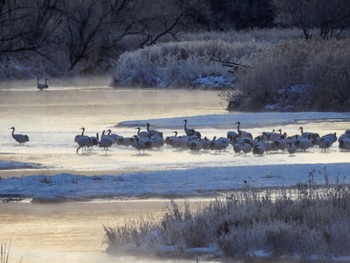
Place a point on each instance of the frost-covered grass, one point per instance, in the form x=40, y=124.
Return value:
x=5, y=252
x=301, y=222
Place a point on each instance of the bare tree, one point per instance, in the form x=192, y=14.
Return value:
x=327, y=16
x=93, y=32
x=12, y=31
x=92, y=29
x=83, y=22
x=295, y=13
x=166, y=18
x=27, y=25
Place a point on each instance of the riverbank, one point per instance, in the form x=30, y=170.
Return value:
x=196, y=182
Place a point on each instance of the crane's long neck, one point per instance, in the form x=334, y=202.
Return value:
x=82, y=133
x=238, y=129
x=138, y=131
x=185, y=126
x=13, y=132
x=147, y=127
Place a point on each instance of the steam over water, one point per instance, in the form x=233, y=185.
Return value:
x=53, y=117
x=72, y=232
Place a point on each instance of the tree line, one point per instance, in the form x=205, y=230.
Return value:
x=87, y=36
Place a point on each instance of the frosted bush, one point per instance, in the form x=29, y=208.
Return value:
x=179, y=64
x=304, y=223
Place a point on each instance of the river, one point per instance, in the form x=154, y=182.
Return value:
x=73, y=231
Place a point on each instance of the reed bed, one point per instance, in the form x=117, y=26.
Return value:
x=304, y=222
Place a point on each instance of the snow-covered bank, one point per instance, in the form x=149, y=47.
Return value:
x=206, y=181
x=11, y=165
x=170, y=173
x=256, y=119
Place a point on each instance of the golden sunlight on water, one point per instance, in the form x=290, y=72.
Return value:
x=52, y=118
x=72, y=231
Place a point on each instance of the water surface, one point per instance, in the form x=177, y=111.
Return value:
x=73, y=232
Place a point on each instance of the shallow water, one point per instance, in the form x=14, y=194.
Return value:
x=53, y=117
x=72, y=232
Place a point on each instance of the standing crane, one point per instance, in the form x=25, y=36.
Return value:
x=42, y=86
x=21, y=138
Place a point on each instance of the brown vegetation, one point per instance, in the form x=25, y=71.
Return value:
x=297, y=75
x=305, y=221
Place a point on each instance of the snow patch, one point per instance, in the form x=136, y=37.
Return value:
x=214, y=81
x=10, y=165
x=249, y=119
x=173, y=183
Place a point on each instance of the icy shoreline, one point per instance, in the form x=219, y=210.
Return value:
x=186, y=180
x=248, y=119
x=11, y=165
x=206, y=181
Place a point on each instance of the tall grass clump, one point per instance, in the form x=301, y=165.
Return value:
x=303, y=222
x=5, y=252
x=179, y=64
x=320, y=68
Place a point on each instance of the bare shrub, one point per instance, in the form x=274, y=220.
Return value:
x=328, y=71
x=275, y=67
x=322, y=66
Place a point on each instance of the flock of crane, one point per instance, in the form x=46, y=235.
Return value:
x=241, y=141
